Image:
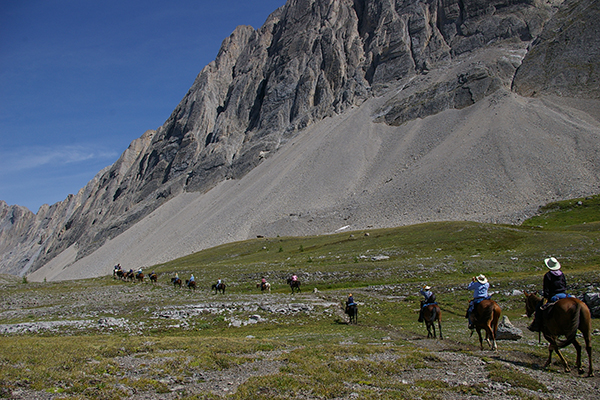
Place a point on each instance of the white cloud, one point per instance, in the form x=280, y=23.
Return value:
x=52, y=156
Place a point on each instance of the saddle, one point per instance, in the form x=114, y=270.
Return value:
x=547, y=307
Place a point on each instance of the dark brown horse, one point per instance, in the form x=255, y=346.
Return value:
x=218, y=287
x=294, y=285
x=139, y=277
x=564, y=318
x=432, y=313
x=485, y=316
x=190, y=284
x=153, y=277
x=352, y=313
x=176, y=282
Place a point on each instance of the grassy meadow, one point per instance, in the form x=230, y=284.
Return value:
x=165, y=342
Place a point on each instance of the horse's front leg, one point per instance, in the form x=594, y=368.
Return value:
x=550, y=347
x=440, y=328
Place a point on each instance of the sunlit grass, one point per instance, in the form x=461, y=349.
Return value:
x=317, y=353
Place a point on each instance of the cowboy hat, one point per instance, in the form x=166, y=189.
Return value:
x=481, y=279
x=426, y=287
x=552, y=263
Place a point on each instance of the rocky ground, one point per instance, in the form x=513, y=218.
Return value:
x=457, y=362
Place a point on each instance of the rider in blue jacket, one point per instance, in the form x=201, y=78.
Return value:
x=479, y=285
x=429, y=298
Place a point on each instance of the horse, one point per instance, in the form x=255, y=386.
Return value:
x=190, y=284
x=485, y=316
x=432, y=313
x=176, y=282
x=129, y=275
x=352, y=312
x=565, y=318
x=264, y=286
x=117, y=273
x=139, y=277
x=294, y=285
x=153, y=277
x=218, y=287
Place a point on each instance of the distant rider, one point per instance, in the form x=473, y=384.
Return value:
x=350, y=301
x=429, y=298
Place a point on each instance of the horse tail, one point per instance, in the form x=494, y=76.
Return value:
x=495, y=318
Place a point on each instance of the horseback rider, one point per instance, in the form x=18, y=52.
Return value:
x=555, y=288
x=429, y=299
x=294, y=278
x=176, y=275
x=192, y=279
x=479, y=285
x=350, y=301
x=263, y=283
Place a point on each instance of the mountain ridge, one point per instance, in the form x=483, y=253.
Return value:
x=311, y=61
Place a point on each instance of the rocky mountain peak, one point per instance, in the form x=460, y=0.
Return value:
x=311, y=60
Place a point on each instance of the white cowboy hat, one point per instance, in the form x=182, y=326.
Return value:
x=426, y=287
x=552, y=263
x=481, y=279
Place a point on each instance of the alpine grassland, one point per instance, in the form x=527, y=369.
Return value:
x=105, y=338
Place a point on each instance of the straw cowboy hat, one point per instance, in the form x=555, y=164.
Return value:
x=481, y=279
x=552, y=263
x=426, y=287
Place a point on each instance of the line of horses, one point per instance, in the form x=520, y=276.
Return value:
x=132, y=276
x=564, y=318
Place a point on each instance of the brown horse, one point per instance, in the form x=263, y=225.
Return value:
x=153, y=277
x=485, y=316
x=564, y=318
x=129, y=275
x=139, y=277
x=219, y=287
x=190, y=284
x=176, y=282
x=432, y=313
x=294, y=285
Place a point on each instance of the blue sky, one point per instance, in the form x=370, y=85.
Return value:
x=79, y=80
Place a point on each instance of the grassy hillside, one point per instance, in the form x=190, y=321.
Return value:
x=104, y=338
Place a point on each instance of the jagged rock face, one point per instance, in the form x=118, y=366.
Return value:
x=311, y=59
x=565, y=59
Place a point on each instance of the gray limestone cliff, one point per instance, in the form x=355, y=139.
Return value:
x=310, y=60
